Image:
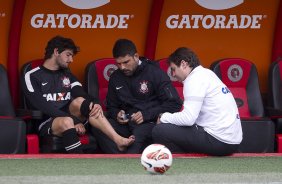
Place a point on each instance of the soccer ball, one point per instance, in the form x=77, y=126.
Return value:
x=156, y=158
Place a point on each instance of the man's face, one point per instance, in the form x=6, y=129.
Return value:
x=180, y=72
x=64, y=58
x=128, y=64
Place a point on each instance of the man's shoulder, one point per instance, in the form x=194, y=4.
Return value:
x=149, y=62
x=116, y=74
x=152, y=66
x=33, y=72
x=67, y=72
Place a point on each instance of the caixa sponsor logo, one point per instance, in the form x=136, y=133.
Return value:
x=215, y=21
x=57, y=96
x=79, y=21
x=225, y=90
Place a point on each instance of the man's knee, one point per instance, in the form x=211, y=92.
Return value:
x=62, y=124
x=85, y=107
x=76, y=103
x=75, y=106
x=157, y=131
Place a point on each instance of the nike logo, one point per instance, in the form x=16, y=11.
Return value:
x=117, y=88
x=44, y=83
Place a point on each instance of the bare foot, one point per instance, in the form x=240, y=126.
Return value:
x=125, y=142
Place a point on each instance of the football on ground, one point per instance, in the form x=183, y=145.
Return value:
x=156, y=159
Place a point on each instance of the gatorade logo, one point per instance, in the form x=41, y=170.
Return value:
x=84, y=21
x=219, y=21
x=219, y=4
x=85, y=4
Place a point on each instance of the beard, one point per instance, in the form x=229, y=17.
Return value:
x=62, y=64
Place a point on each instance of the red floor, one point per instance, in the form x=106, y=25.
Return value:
x=23, y=156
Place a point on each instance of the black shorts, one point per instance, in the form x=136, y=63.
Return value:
x=45, y=128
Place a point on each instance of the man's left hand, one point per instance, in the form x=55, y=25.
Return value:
x=96, y=111
x=80, y=129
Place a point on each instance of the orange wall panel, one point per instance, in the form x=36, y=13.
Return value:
x=90, y=28
x=212, y=43
x=93, y=36
x=6, y=8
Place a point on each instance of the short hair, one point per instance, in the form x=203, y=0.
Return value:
x=186, y=55
x=123, y=47
x=61, y=44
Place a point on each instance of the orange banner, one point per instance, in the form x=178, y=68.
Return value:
x=94, y=26
x=6, y=8
x=220, y=29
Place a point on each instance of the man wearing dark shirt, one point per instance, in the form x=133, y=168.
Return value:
x=137, y=93
x=54, y=90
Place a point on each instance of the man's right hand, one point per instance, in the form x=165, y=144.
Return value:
x=80, y=129
x=120, y=117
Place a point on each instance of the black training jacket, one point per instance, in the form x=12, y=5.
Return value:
x=52, y=91
x=148, y=90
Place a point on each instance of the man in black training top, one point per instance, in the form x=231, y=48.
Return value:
x=54, y=90
x=137, y=93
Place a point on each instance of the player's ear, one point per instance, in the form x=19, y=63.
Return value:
x=183, y=64
x=136, y=57
x=56, y=52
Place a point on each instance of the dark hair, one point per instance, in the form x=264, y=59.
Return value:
x=186, y=55
x=124, y=47
x=61, y=44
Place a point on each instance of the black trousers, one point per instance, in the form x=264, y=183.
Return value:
x=190, y=139
x=142, y=133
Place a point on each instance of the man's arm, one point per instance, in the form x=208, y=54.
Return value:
x=78, y=91
x=113, y=104
x=32, y=92
x=167, y=95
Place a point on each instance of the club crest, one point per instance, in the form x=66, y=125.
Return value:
x=235, y=73
x=66, y=82
x=108, y=70
x=144, y=87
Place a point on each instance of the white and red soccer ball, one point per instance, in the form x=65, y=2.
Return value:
x=156, y=158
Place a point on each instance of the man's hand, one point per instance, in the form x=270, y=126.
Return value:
x=137, y=117
x=96, y=111
x=120, y=117
x=80, y=129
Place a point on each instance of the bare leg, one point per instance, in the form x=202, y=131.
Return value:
x=103, y=124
